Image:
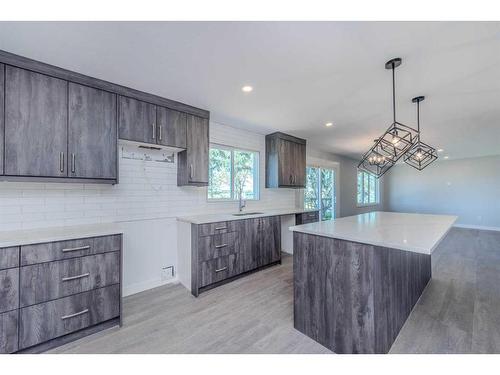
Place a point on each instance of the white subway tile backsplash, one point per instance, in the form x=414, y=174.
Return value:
x=146, y=190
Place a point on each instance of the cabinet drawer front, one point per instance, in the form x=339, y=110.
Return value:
x=216, y=228
x=46, y=252
x=48, y=281
x=217, y=245
x=9, y=257
x=218, y=269
x=8, y=332
x=9, y=289
x=53, y=319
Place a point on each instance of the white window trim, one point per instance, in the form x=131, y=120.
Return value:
x=377, y=193
x=256, y=181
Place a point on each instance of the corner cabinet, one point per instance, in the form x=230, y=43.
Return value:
x=193, y=162
x=285, y=161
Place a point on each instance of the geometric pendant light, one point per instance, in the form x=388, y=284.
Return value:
x=394, y=143
x=421, y=154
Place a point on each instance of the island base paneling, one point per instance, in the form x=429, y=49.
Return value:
x=353, y=297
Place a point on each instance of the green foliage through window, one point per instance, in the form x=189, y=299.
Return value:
x=319, y=193
x=232, y=171
x=367, y=189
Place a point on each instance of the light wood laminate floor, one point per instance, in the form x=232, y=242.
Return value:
x=459, y=311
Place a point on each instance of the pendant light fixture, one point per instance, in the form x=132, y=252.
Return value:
x=421, y=154
x=394, y=143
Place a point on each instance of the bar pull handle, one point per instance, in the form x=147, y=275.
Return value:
x=154, y=130
x=69, y=278
x=76, y=248
x=72, y=163
x=159, y=132
x=219, y=246
x=75, y=314
x=190, y=171
x=220, y=228
x=61, y=162
x=221, y=269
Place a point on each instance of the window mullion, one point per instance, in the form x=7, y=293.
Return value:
x=232, y=175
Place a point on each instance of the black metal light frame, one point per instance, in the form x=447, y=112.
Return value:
x=396, y=141
x=421, y=154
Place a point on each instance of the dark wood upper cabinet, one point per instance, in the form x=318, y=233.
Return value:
x=171, y=127
x=193, y=162
x=285, y=161
x=2, y=91
x=36, y=123
x=92, y=133
x=136, y=120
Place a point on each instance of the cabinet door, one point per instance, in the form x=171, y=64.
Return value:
x=2, y=74
x=92, y=133
x=8, y=331
x=36, y=124
x=248, y=241
x=286, y=171
x=197, y=149
x=171, y=127
x=136, y=120
x=299, y=162
x=270, y=240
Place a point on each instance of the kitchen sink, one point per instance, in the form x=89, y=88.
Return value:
x=248, y=213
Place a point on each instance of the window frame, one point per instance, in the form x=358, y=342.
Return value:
x=256, y=173
x=377, y=190
x=334, y=169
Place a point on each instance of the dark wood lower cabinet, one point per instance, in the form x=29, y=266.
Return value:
x=53, y=293
x=352, y=297
x=225, y=250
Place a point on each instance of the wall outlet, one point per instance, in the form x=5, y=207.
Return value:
x=167, y=273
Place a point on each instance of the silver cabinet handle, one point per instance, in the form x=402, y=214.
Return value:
x=76, y=248
x=154, y=130
x=221, y=269
x=190, y=171
x=61, y=161
x=219, y=246
x=69, y=278
x=159, y=132
x=220, y=228
x=72, y=163
x=75, y=314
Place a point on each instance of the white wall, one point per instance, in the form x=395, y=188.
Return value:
x=468, y=188
x=146, y=202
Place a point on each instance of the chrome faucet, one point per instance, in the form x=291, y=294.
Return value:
x=241, y=203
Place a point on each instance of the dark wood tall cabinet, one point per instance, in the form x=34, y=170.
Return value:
x=193, y=162
x=285, y=161
x=92, y=133
x=36, y=124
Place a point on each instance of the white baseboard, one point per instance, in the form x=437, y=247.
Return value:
x=480, y=227
x=150, y=284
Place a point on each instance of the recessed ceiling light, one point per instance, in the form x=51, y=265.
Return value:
x=440, y=150
x=446, y=157
x=247, y=88
x=328, y=124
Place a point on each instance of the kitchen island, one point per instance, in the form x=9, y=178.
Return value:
x=356, y=279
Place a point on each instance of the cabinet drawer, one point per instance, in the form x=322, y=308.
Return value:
x=9, y=289
x=307, y=217
x=53, y=319
x=8, y=332
x=217, y=245
x=214, y=270
x=216, y=228
x=48, y=281
x=46, y=252
x=9, y=257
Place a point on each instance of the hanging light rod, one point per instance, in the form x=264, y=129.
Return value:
x=396, y=140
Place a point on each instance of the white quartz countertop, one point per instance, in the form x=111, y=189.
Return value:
x=32, y=236
x=411, y=232
x=213, y=218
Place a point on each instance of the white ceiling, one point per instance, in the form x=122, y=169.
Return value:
x=303, y=73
